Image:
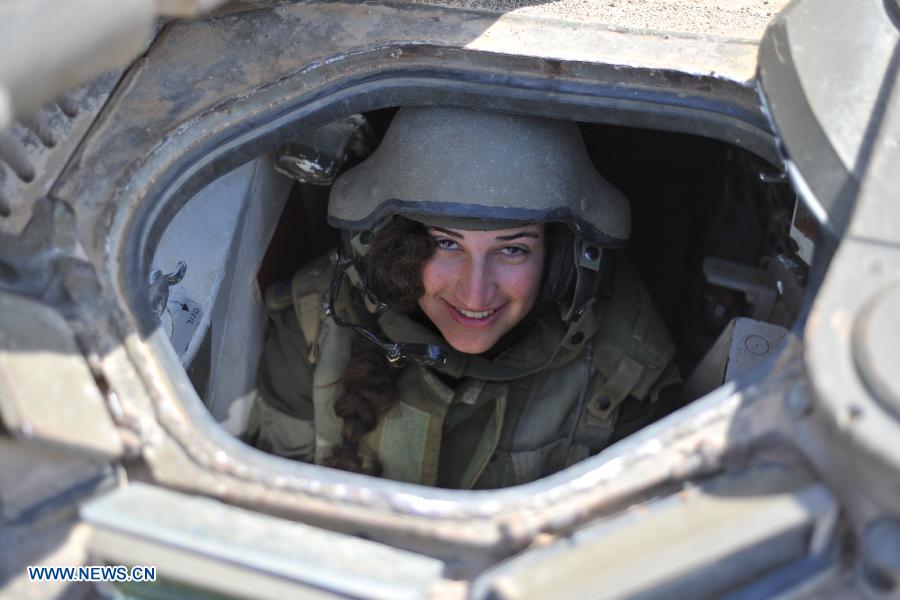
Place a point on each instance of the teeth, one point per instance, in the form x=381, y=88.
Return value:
x=477, y=315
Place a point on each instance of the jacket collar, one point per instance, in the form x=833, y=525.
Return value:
x=545, y=343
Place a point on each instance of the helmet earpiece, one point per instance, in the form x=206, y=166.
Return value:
x=559, y=264
x=575, y=272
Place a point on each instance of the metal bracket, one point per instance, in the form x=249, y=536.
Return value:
x=160, y=285
x=756, y=284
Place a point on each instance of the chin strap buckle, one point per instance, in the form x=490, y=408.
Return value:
x=426, y=354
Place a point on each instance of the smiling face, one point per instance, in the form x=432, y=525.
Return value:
x=480, y=284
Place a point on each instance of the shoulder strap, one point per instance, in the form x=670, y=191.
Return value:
x=304, y=292
x=636, y=348
x=309, y=312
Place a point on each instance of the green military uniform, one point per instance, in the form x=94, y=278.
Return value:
x=551, y=395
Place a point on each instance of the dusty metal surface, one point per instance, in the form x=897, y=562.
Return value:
x=238, y=552
x=844, y=152
x=47, y=48
x=840, y=334
x=35, y=478
x=62, y=545
x=39, y=489
x=840, y=130
x=34, y=149
x=729, y=18
x=48, y=392
x=743, y=344
x=706, y=541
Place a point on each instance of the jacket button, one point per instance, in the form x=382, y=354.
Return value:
x=601, y=404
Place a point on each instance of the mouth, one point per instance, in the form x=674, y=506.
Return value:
x=476, y=314
x=474, y=319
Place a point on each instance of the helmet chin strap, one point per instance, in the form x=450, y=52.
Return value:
x=586, y=284
x=396, y=352
x=589, y=263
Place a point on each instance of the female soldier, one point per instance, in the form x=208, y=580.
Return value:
x=477, y=329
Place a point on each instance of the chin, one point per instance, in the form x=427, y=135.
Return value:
x=476, y=346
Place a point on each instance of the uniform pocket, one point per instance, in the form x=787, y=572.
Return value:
x=514, y=467
x=528, y=465
x=278, y=433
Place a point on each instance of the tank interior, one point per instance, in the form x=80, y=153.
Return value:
x=717, y=235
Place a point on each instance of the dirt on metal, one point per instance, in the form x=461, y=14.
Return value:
x=745, y=19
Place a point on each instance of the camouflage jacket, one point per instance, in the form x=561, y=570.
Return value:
x=554, y=396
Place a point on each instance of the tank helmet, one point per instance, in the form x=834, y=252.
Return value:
x=477, y=170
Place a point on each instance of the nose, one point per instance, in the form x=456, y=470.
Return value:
x=475, y=284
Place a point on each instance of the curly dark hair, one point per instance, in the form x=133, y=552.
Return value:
x=368, y=384
x=394, y=267
x=398, y=253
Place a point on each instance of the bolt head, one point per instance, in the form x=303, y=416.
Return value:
x=797, y=402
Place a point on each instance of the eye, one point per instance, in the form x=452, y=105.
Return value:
x=445, y=244
x=515, y=251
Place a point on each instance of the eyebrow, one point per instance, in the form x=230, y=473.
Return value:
x=514, y=236
x=502, y=238
x=448, y=232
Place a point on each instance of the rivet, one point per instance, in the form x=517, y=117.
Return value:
x=591, y=253
x=576, y=338
x=365, y=238
x=797, y=402
x=603, y=403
